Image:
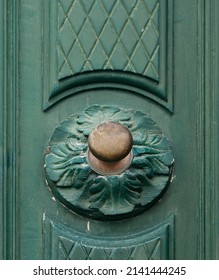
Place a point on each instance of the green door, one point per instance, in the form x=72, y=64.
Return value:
x=109, y=129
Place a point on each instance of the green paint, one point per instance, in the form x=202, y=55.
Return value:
x=183, y=101
x=95, y=35
x=115, y=196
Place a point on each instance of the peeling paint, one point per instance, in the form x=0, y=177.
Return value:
x=173, y=178
x=88, y=226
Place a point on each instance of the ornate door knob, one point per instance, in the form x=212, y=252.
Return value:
x=110, y=148
x=108, y=163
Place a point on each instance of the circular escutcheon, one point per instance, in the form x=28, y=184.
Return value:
x=138, y=156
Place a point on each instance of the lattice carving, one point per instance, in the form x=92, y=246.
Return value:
x=63, y=243
x=113, y=44
x=71, y=250
x=108, y=35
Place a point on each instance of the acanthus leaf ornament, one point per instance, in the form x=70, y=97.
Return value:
x=114, y=196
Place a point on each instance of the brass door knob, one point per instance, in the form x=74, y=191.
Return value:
x=110, y=148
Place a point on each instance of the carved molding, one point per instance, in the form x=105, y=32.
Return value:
x=64, y=243
x=9, y=225
x=78, y=187
x=207, y=116
x=126, y=50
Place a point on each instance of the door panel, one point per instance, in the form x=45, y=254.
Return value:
x=140, y=55
x=116, y=39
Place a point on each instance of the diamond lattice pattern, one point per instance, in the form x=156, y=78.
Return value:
x=108, y=35
x=73, y=250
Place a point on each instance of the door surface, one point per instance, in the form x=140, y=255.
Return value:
x=71, y=65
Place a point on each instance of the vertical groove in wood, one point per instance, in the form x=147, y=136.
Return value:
x=9, y=137
x=210, y=128
x=216, y=126
x=2, y=129
x=200, y=124
x=206, y=127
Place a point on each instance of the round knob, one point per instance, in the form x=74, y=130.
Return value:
x=110, y=148
x=110, y=142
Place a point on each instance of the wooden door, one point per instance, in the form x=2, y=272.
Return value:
x=70, y=65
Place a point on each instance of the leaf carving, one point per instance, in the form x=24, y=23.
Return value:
x=154, y=155
x=66, y=164
x=100, y=192
x=131, y=189
x=96, y=115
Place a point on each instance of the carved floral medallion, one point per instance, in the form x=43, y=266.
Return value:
x=108, y=197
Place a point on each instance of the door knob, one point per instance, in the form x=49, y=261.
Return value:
x=110, y=148
x=108, y=163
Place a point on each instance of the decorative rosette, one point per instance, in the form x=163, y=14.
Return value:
x=110, y=197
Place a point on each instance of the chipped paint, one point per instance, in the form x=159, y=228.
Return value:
x=88, y=226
